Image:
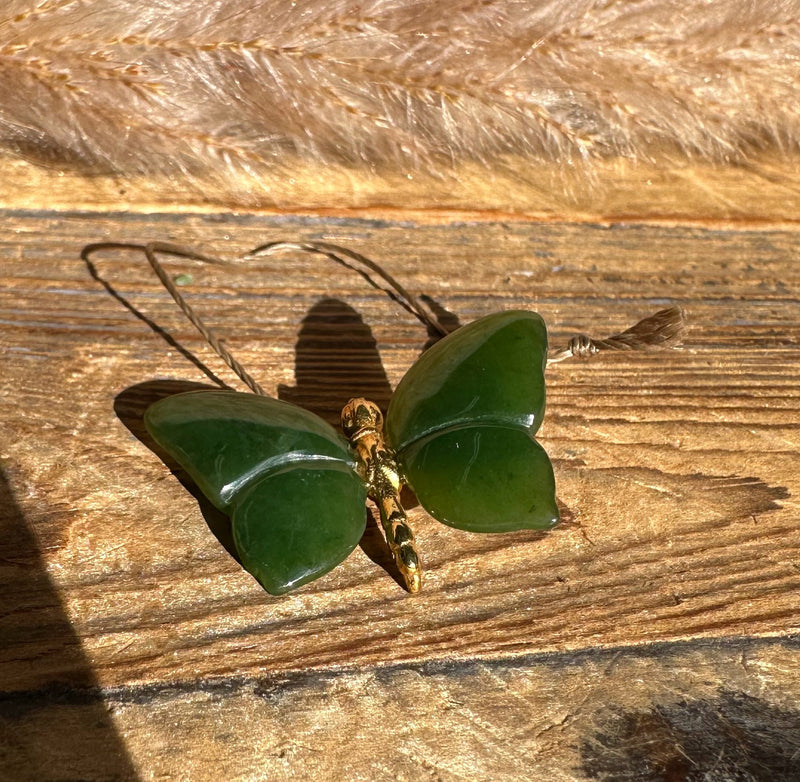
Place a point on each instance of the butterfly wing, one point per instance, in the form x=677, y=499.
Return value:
x=483, y=479
x=283, y=475
x=463, y=421
x=295, y=525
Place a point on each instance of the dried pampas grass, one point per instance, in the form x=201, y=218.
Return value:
x=194, y=89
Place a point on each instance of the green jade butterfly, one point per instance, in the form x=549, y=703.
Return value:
x=459, y=431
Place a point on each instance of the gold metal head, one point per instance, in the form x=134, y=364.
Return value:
x=359, y=417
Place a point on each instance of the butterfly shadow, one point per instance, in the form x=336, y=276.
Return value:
x=130, y=406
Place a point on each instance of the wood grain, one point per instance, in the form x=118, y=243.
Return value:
x=560, y=717
x=679, y=468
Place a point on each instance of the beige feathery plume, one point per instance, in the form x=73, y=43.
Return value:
x=194, y=89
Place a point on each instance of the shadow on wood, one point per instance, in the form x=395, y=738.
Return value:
x=448, y=319
x=336, y=359
x=155, y=327
x=53, y=724
x=731, y=736
x=130, y=406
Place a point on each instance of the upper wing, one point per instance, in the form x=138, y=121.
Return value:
x=490, y=370
x=224, y=439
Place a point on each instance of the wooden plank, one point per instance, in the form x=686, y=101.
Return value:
x=698, y=710
x=679, y=468
x=676, y=465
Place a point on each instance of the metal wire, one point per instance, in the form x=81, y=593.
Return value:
x=664, y=329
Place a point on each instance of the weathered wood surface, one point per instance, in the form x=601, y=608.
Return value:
x=680, y=469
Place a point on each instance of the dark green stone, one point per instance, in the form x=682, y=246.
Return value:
x=462, y=421
x=483, y=478
x=223, y=437
x=295, y=525
x=284, y=476
x=491, y=370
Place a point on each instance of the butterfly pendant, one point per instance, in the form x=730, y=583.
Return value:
x=459, y=431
